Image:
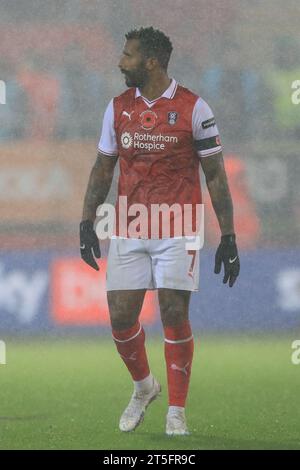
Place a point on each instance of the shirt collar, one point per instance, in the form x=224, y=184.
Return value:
x=169, y=93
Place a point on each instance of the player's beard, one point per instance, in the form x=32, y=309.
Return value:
x=137, y=78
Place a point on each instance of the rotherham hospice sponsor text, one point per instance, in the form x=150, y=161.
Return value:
x=146, y=141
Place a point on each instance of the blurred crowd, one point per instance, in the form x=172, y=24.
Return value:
x=64, y=98
x=51, y=101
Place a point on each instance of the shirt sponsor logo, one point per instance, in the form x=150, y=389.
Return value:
x=209, y=123
x=146, y=141
x=126, y=140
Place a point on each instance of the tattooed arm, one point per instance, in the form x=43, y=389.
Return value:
x=98, y=187
x=99, y=184
x=216, y=180
x=217, y=184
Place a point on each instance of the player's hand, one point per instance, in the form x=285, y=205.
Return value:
x=89, y=244
x=227, y=253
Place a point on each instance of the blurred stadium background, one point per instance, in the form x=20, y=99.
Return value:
x=58, y=61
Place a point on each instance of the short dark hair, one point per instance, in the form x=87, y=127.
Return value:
x=153, y=43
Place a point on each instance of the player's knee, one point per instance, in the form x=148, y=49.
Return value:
x=171, y=315
x=121, y=319
x=121, y=312
x=121, y=323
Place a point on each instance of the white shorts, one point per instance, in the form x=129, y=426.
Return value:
x=152, y=264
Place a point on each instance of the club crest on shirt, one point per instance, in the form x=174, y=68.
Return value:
x=172, y=117
x=148, y=119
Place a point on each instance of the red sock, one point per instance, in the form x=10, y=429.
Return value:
x=131, y=346
x=179, y=349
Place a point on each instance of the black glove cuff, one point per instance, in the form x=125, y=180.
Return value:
x=86, y=226
x=228, y=239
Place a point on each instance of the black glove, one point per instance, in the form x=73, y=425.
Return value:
x=89, y=244
x=228, y=254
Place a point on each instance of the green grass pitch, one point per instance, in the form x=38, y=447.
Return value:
x=69, y=394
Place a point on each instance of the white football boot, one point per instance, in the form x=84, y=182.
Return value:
x=176, y=423
x=135, y=411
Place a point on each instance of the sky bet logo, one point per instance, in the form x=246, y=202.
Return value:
x=146, y=141
x=2, y=92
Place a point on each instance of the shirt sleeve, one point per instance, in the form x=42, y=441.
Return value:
x=205, y=132
x=108, y=140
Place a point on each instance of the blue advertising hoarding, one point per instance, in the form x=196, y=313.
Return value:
x=42, y=291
